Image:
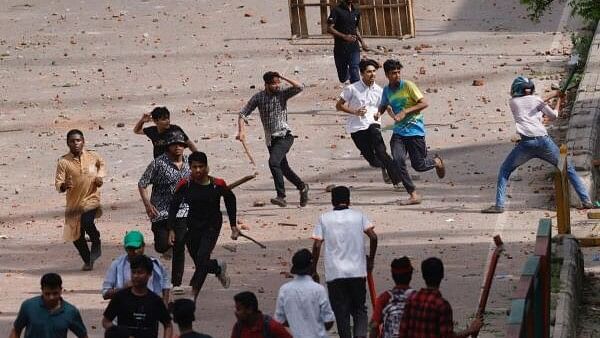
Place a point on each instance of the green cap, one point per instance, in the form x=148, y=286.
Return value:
x=133, y=239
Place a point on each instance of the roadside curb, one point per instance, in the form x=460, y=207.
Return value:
x=583, y=135
x=571, y=285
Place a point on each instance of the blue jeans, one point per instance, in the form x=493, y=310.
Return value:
x=541, y=147
x=346, y=62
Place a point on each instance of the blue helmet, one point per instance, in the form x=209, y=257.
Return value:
x=519, y=85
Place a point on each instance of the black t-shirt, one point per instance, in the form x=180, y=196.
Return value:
x=194, y=335
x=204, y=203
x=345, y=22
x=159, y=140
x=139, y=314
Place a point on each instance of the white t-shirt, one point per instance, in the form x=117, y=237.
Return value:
x=305, y=306
x=528, y=112
x=359, y=95
x=342, y=232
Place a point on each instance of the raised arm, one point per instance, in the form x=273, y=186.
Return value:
x=138, y=129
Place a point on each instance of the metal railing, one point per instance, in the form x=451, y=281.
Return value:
x=530, y=307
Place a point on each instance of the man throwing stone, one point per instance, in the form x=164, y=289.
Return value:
x=361, y=100
x=272, y=106
x=407, y=104
x=80, y=173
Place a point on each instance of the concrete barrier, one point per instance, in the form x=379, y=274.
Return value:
x=571, y=285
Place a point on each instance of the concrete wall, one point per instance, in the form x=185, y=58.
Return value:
x=583, y=136
x=571, y=285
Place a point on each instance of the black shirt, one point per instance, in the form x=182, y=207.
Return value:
x=204, y=203
x=140, y=314
x=344, y=21
x=194, y=335
x=159, y=140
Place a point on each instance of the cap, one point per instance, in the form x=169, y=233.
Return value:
x=301, y=262
x=176, y=138
x=133, y=239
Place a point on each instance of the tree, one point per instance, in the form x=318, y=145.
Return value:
x=589, y=10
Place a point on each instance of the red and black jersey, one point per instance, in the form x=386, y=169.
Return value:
x=204, y=202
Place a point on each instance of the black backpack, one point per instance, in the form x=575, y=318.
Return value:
x=237, y=328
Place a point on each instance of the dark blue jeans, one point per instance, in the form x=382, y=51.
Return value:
x=279, y=165
x=346, y=63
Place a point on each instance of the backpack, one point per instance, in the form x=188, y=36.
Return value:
x=237, y=328
x=392, y=312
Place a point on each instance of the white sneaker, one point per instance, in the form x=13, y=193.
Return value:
x=223, y=278
x=177, y=290
x=399, y=187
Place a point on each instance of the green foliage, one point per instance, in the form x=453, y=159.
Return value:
x=589, y=10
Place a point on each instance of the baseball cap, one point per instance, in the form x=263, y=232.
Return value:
x=176, y=138
x=133, y=239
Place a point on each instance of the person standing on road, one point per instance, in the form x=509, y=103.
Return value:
x=408, y=137
x=80, y=173
x=389, y=306
x=48, y=315
x=137, y=308
x=118, y=275
x=302, y=304
x=251, y=322
x=361, y=100
x=183, y=316
x=203, y=194
x=529, y=110
x=272, y=106
x=427, y=314
x=163, y=173
x=161, y=132
x=341, y=232
x=343, y=24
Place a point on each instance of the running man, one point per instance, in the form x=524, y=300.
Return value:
x=407, y=104
x=361, y=100
x=203, y=194
x=80, y=173
x=272, y=106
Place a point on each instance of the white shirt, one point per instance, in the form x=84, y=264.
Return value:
x=359, y=95
x=528, y=112
x=305, y=306
x=342, y=232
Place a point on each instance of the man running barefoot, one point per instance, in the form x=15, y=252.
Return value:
x=203, y=195
x=407, y=104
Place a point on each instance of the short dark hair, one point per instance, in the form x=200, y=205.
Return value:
x=51, y=280
x=269, y=76
x=391, y=64
x=433, y=271
x=402, y=270
x=160, y=112
x=364, y=63
x=143, y=262
x=183, y=312
x=340, y=195
x=74, y=132
x=117, y=331
x=197, y=156
x=247, y=299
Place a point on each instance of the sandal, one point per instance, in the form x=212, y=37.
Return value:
x=441, y=170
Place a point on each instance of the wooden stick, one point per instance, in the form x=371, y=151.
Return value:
x=485, y=292
x=241, y=181
x=253, y=240
x=372, y=292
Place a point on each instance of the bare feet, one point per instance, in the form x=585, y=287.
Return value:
x=440, y=169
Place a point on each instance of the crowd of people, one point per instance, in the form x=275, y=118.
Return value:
x=184, y=210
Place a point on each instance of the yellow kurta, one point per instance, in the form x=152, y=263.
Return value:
x=84, y=195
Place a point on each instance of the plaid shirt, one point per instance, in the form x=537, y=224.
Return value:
x=427, y=315
x=273, y=111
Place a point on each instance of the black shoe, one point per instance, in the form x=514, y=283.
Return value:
x=304, y=196
x=386, y=177
x=88, y=266
x=96, y=251
x=494, y=209
x=279, y=201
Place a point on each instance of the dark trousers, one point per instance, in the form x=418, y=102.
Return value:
x=416, y=149
x=347, y=297
x=346, y=63
x=88, y=227
x=372, y=147
x=279, y=165
x=200, y=244
x=161, y=245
